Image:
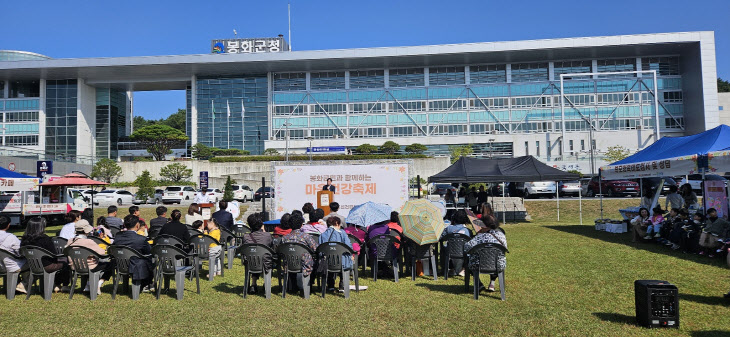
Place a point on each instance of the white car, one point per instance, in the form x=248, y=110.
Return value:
x=536, y=188
x=176, y=194
x=214, y=194
x=242, y=192
x=111, y=197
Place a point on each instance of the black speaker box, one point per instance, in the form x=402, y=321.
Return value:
x=657, y=304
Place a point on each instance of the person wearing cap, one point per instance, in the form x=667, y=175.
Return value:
x=656, y=223
x=80, y=240
x=715, y=229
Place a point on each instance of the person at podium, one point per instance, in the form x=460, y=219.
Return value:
x=329, y=186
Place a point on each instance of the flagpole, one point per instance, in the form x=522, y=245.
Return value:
x=243, y=117
x=212, y=105
x=228, y=125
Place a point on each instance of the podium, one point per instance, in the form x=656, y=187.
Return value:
x=324, y=198
x=206, y=210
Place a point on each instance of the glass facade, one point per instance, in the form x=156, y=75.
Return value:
x=111, y=121
x=61, y=118
x=494, y=98
x=245, y=129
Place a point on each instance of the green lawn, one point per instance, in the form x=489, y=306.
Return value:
x=562, y=279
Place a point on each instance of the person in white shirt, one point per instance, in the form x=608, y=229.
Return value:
x=674, y=200
x=10, y=243
x=201, y=198
x=68, y=231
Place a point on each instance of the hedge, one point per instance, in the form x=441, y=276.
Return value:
x=124, y=184
x=315, y=157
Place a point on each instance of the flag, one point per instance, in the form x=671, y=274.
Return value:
x=212, y=106
x=243, y=108
x=228, y=109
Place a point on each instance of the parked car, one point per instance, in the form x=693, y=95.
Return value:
x=612, y=188
x=176, y=194
x=89, y=193
x=536, y=188
x=442, y=188
x=118, y=197
x=265, y=192
x=214, y=194
x=154, y=200
x=695, y=180
x=242, y=193
x=569, y=187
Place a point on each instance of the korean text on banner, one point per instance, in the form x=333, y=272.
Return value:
x=716, y=197
x=354, y=185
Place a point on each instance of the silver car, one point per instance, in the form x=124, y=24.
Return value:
x=569, y=187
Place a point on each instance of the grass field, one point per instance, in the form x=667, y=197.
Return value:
x=562, y=279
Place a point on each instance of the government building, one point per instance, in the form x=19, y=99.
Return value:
x=555, y=99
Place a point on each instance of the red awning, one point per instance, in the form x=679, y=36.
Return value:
x=73, y=180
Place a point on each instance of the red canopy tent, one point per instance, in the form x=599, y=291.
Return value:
x=73, y=179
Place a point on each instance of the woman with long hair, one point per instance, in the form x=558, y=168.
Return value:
x=194, y=214
x=35, y=235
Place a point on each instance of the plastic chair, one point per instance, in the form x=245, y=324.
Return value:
x=122, y=256
x=97, y=240
x=253, y=256
x=201, y=249
x=315, y=236
x=331, y=254
x=79, y=257
x=114, y=231
x=33, y=256
x=385, y=251
x=291, y=256
x=230, y=245
x=60, y=244
x=362, y=257
x=452, y=249
x=487, y=255
x=153, y=232
x=421, y=252
x=10, y=279
x=169, y=240
x=194, y=232
x=171, y=262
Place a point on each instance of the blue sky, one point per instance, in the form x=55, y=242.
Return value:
x=71, y=29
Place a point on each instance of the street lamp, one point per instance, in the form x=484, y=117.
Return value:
x=310, y=147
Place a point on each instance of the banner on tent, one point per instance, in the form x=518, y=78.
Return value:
x=18, y=184
x=714, y=191
x=354, y=184
x=655, y=168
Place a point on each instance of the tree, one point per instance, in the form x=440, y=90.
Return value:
x=106, y=170
x=722, y=85
x=176, y=172
x=576, y=172
x=413, y=181
x=616, y=153
x=201, y=151
x=366, y=148
x=458, y=151
x=228, y=189
x=176, y=120
x=139, y=122
x=146, y=186
x=416, y=148
x=159, y=139
x=271, y=152
x=389, y=147
x=229, y=152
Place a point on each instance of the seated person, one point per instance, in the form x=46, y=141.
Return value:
x=197, y=225
x=639, y=224
x=107, y=268
x=141, y=269
x=176, y=228
x=297, y=235
x=713, y=233
x=143, y=228
x=394, y=225
x=682, y=229
x=358, y=233
x=652, y=231
x=224, y=218
x=491, y=234
x=35, y=235
x=335, y=233
x=68, y=230
x=458, y=224
x=194, y=214
x=668, y=225
x=258, y=236
x=111, y=218
x=283, y=227
x=215, y=250
x=11, y=243
x=161, y=218
x=315, y=225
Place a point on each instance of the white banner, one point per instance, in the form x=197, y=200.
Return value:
x=355, y=185
x=655, y=168
x=18, y=184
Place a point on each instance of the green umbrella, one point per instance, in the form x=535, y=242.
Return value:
x=421, y=221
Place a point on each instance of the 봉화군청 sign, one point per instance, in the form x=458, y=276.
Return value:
x=246, y=46
x=354, y=185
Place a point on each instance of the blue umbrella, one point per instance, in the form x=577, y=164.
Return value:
x=368, y=214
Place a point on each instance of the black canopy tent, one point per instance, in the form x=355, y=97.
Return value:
x=520, y=169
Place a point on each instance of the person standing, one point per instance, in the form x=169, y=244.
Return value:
x=674, y=200
x=482, y=196
x=201, y=198
x=329, y=186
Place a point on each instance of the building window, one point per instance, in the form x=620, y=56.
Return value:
x=411, y=77
x=360, y=79
x=20, y=89
x=491, y=73
x=446, y=76
x=672, y=97
x=593, y=143
x=527, y=148
x=21, y=140
x=571, y=67
x=327, y=80
x=665, y=66
x=582, y=145
x=537, y=148
x=570, y=145
x=616, y=65
x=290, y=81
x=24, y=116
x=529, y=72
